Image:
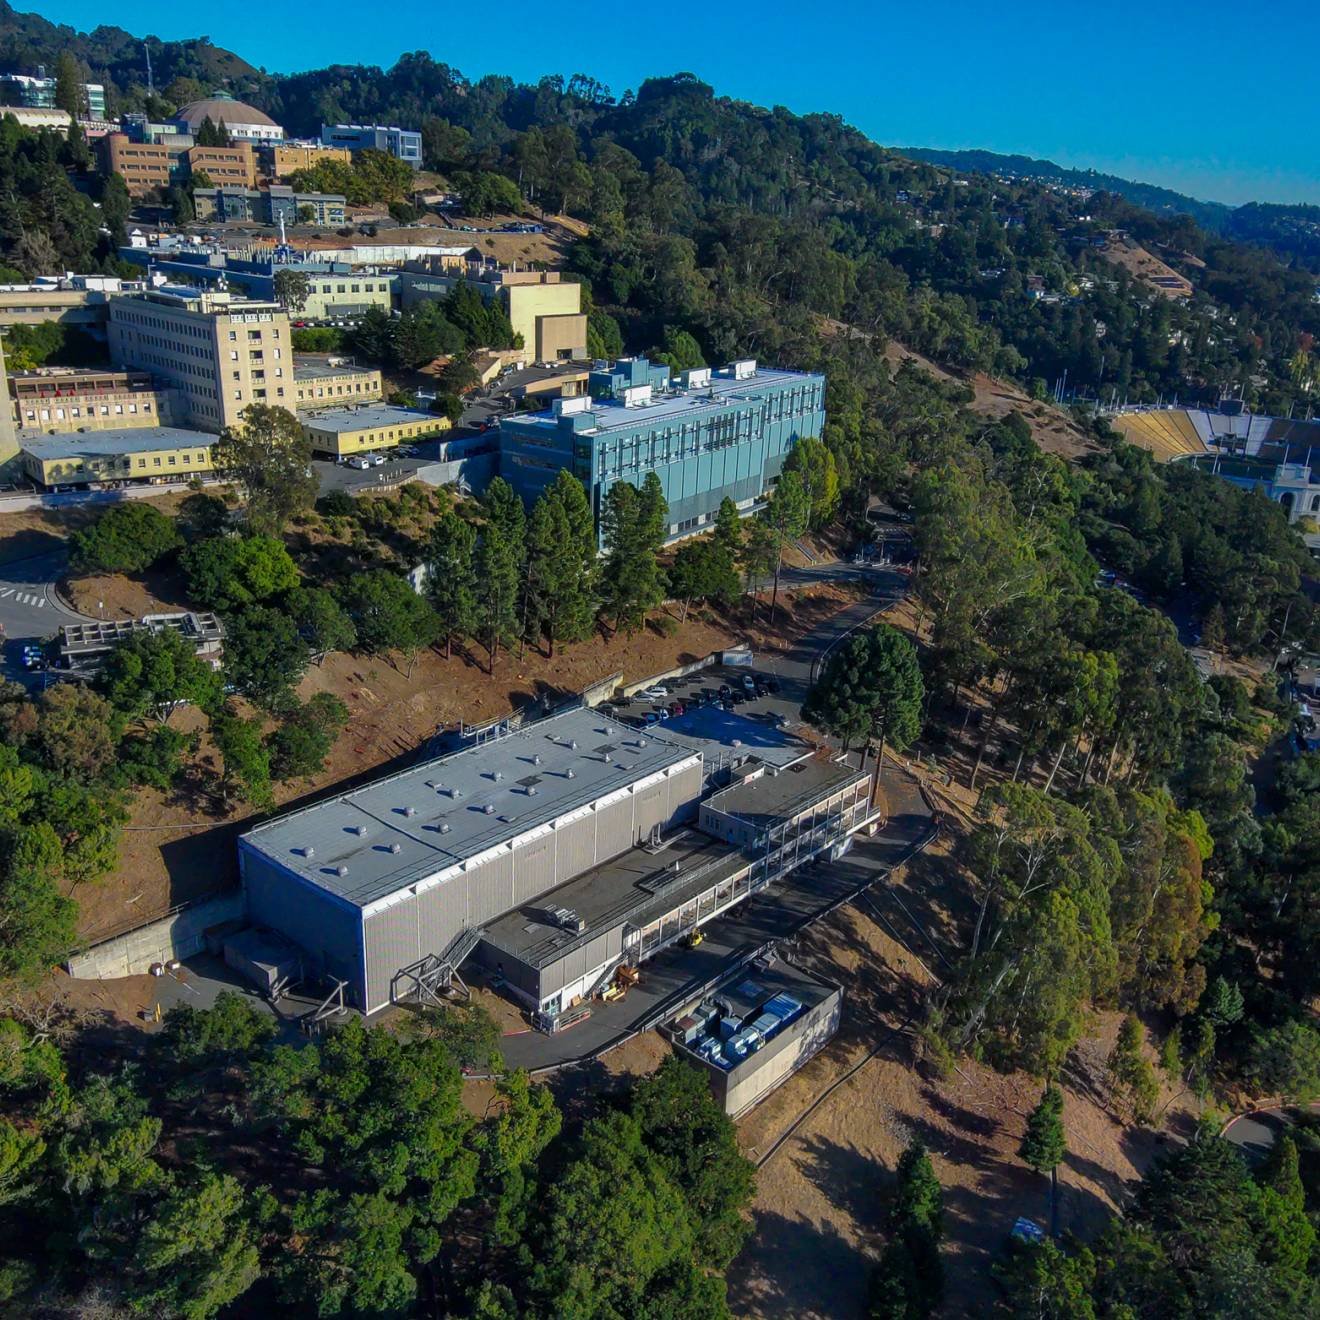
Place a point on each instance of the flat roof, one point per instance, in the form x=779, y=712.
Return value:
x=725, y=735
x=667, y=406
x=773, y=797
x=109, y=444
x=637, y=887
x=360, y=417
x=304, y=370
x=453, y=808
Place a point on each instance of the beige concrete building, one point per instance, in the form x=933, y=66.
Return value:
x=343, y=432
x=76, y=300
x=280, y=159
x=543, y=308
x=325, y=384
x=333, y=295
x=10, y=458
x=154, y=456
x=219, y=352
x=147, y=165
x=57, y=400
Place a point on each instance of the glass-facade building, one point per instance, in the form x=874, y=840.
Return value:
x=707, y=434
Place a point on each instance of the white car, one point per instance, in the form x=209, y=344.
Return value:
x=655, y=694
x=377, y=460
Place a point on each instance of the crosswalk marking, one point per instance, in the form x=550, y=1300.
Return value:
x=23, y=598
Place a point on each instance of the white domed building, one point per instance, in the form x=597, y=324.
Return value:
x=245, y=123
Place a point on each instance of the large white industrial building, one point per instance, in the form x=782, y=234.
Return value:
x=551, y=853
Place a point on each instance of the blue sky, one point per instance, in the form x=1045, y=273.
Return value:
x=1210, y=99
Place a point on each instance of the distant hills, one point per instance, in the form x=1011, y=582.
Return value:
x=1163, y=201
x=27, y=40
x=1292, y=231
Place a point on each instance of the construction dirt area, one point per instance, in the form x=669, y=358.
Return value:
x=1144, y=266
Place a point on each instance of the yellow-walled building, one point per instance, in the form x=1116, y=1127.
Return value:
x=342, y=432
x=151, y=455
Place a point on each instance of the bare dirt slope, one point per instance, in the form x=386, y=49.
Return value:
x=821, y=1197
x=1145, y=266
x=1053, y=429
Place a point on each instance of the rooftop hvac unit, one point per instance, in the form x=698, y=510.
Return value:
x=744, y=368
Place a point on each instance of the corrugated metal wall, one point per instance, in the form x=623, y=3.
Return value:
x=614, y=828
x=577, y=847
x=310, y=918
x=391, y=943
x=572, y=966
x=425, y=923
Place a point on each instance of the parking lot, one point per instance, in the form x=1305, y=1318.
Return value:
x=711, y=691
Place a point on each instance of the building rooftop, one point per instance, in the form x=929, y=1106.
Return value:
x=668, y=405
x=724, y=737
x=113, y=444
x=305, y=369
x=637, y=887
x=222, y=108
x=360, y=417
x=410, y=827
x=772, y=797
x=79, y=638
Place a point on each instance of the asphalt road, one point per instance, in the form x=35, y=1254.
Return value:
x=29, y=609
x=1254, y=1133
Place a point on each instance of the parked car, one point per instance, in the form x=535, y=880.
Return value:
x=725, y=689
x=749, y=683
x=676, y=708
x=651, y=718
x=655, y=694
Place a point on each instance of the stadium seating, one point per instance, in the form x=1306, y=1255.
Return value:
x=1167, y=433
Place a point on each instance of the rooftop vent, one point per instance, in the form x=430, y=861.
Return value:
x=573, y=745
x=341, y=870
x=410, y=811
x=608, y=758
x=360, y=831
x=308, y=851
x=455, y=792
x=532, y=791
x=489, y=808
x=395, y=848
x=497, y=775
x=570, y=774
x=536, y=758
x=641, y=742
x=444, y=827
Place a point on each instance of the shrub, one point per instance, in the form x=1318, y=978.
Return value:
x=126, y=539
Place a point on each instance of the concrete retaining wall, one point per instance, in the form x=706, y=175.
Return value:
x=17, y=503
x=682, y=671
x=177, y=936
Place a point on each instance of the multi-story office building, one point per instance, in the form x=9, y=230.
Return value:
x=38, y=93
x=543, y=308
x=147, y=165
x=220, y=353
x=268, y=206
x=58, y=400
x=708, y=435
x=403, y=143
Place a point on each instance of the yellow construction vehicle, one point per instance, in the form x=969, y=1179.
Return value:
x=694, y=939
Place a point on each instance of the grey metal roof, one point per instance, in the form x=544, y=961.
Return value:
x=361, y=416
x=636, y=888
x=771, y=797
x=304, y=370
x=107, y=444
x=408, y=827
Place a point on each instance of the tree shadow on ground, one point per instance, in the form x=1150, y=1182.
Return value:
x=794, y=1268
